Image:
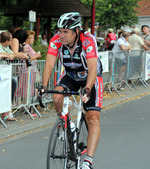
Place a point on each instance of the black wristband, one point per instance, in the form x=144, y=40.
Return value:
x=44, y=87
x=87, y=91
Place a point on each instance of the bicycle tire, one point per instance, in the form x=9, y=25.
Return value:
x=82, y=139
x=57, y=148
x=71, y=150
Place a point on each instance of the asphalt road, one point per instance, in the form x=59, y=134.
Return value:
x=124, y=143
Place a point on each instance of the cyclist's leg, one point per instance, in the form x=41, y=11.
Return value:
x=58, y=100
x=63, y=83
x=93, y=122
x=93, y=108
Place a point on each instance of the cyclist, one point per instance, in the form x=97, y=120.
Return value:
x=77, y=51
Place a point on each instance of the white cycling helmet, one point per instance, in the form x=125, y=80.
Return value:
x=69, y=20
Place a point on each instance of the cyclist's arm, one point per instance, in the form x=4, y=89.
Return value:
x=49, y=65
x=92, y=72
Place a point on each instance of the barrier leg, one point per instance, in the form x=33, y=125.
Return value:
x=133, y=85
x=128, y=86
x=109, y=90
x=37, y=111
x=23, y=106
x=3, y=122
x=117, y=90
x=146, y=83
x=142, y=82
x=28, y=112
x=17, y=109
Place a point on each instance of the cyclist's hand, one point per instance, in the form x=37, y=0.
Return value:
x=86, y=94
x=42, y=89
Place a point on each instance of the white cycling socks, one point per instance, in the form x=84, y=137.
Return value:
x=88, y=160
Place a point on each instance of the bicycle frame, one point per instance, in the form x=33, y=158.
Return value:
x=64, y=115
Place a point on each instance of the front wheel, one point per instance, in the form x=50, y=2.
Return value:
x=57, y=148
x=82, y=141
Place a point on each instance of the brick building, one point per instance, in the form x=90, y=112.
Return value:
x=144, y=13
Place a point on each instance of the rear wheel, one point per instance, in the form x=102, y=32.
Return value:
x=57, y=148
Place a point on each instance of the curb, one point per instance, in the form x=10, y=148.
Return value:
x=40, y=124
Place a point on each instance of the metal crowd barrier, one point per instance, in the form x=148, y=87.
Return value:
x=107, y=75
x=29, y=79
x=136, y=67
x=119, y=75
x=125, y=67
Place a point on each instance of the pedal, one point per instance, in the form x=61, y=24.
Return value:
x=82, y=146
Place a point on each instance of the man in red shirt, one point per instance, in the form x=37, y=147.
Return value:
x=110, y=39
x=77, y=51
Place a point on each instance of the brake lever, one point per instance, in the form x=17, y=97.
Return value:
x=40, y=99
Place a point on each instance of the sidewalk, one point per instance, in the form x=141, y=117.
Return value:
x=25, y=124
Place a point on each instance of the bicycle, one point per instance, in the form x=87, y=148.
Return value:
x=67, y=149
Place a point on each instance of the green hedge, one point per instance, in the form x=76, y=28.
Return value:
x=38, y=47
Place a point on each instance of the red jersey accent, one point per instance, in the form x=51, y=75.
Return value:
x=88, y=44
x=112, y=36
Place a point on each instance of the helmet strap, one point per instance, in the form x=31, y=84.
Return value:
x=77, y=35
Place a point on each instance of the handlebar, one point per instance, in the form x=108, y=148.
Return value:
x=63, y=92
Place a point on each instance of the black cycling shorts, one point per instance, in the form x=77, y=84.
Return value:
x=96, y=99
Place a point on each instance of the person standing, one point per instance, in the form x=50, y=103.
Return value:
x=27, y=47
x=136, y=41
x=118, y=50
x=44, y=40
x=34, y=68
x=145, y=35
x=110, y=39
x=6, y=40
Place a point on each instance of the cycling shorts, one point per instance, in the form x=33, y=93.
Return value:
x=96, y=99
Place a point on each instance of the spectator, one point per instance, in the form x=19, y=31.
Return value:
x=145, y=35
x=110, y=39
x=19, y=38
x=120, y=57
x=44, y=40
x=34, y=55
x=128, y=30
x=120, y=33
x=136, y=41
x=18, y=44
x=6, y=40
x=122, y=43
x=28, y=49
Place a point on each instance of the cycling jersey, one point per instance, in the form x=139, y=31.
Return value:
x=76, y=71
x=76, y=64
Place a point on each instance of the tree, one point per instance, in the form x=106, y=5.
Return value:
x=6, y=22
x=115, y=13
x=7, y=4
x=109, y=13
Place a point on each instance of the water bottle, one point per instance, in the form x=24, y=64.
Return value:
x=73, y=128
